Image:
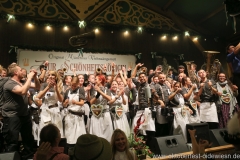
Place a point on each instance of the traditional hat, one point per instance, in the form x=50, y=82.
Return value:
x=91, y=147
x=181, y=66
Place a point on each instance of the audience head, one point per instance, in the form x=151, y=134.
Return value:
x=181, y=69
x=120, y=143
x=233, y=128
x=230, y=48
x=50, y=133
x=4, y=72
x=142, y=77
x=74, y=82
x=89, y=147
x=41, y=67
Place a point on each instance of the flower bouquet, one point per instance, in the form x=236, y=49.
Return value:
x=138, y=143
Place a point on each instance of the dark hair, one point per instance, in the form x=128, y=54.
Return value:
x=141, y=74
x=41, y=66
x=49, y=133
x=227, y=48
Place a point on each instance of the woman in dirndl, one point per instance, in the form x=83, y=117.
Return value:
x=52, y=95
x=188, y=91
x=180, y=111
x=227, y=103
x=100, y=123
x=74, y=119
x=87, y=99
x=119, y=117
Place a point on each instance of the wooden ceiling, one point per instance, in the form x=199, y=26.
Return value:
x=206, y=17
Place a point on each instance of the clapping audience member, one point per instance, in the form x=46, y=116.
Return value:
x=51, y=134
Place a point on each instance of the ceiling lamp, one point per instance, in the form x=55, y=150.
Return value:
x=187, y=33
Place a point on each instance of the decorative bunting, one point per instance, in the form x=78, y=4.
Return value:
x=80, y=52
x=153, y=54
x=138, y=55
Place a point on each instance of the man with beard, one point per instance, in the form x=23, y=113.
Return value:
x=144, y=114
x=16, y=117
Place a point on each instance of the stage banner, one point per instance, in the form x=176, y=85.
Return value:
x=88, y=62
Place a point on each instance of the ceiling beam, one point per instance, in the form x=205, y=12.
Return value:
x=99, y=10
x=188, y=24
x=168, y=4
x=219, y=9
x=67, y=10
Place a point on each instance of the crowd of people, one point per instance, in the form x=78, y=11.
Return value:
x=51, y=105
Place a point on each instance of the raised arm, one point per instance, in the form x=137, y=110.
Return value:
x=23, y=89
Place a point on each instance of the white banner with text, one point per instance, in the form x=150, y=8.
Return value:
x=88, y=62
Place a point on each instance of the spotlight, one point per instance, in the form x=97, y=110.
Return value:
x=152, y=34
x=111, y=31
x=30, y=25
x=175, y=37
x=96, y=30
x=126, y=33
x=195, y=39
x=48, y=27
x=65, y=28
x=164, y=37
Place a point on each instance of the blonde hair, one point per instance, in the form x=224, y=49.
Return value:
x=113, y=139
x=11, y=69
x=58, y=81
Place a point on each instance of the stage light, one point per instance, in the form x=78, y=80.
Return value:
x=126, y=33
x=195, y=39
x=48, y=27
x=164, y=37
x=65, y=28
x=175, y=37
x=187, y=33
x=96, y=30
x=30, y=25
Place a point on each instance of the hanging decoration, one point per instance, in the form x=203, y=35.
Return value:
x=232, y=8
x=80, y=51
x=181, y=56
x=153, y=54
x=81, y=24
x=138, y=55
x=13, y=49
x=10, y=17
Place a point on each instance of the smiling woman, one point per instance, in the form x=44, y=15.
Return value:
x=120, y=146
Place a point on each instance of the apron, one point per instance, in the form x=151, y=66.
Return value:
x=102, y=126
x=74, y=124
